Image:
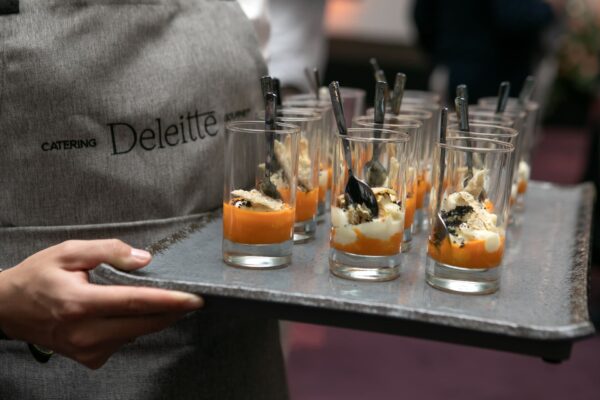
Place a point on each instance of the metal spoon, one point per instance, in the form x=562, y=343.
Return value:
x=375, y=173
x=439, y=231
x=317, y=82
x=356, y=191
x=398, y=92
x=503, y=94
x=266, y=186
x=277, y=90
x=462, y=113
x=462, y=91
x=526, y=91
x=379, y=75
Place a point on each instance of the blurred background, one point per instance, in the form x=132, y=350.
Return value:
x=438, y=44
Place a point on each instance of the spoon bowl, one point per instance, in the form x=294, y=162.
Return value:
x=356, y=191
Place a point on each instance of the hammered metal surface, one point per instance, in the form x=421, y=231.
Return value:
x=543, y=292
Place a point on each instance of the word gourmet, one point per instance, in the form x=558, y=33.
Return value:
x=159, y=135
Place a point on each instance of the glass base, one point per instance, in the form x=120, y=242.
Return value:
x=407, y=240
x=305, y=231
x=462, y=280
x=364, y=268
x=323, y=207
x=420, y=221
x=257, y=256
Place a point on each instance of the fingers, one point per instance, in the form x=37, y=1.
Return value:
x=87, y=254
x=91, y=342
x=118, y=301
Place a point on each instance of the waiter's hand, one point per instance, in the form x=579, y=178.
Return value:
x=47, y=300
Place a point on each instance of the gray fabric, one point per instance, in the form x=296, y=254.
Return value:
x=71, y=68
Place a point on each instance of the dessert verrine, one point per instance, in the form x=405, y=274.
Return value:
x=259, y=202
x=251, y=217
x=367, y=225
x=411, y=127
x=469, y=214
x=474, y=239
x=355, y=230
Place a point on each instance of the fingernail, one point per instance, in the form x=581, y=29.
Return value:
x=141, y=255
x=190, y=299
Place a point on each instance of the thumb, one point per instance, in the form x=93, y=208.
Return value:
x=87, y=254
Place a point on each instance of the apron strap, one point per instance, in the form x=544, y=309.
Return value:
x=9, y=7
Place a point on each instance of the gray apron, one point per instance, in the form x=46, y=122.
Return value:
x=112, y=115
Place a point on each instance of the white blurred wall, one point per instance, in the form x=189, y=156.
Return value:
x=386, y=21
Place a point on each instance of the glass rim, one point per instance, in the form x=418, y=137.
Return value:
x=517, y=113
x=510, y=132
x=422, y=95
x=400, y=137
x=534, y=105
x=312, y=115
x=404, y=123
x=502, y=147
x=482, y=112
x=321, y=103
x=426, y=114
x=238, y=127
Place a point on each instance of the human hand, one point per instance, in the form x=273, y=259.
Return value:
x=47, y=300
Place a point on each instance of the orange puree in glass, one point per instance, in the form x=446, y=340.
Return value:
x=522, y=186
x=329, y=178
x=257, y=227
x=306, y=204
x=411, y=206
x=489, y=206
x=471, y=255
x=369, y=247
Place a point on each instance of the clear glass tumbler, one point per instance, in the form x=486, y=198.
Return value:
x=259, y=198
x=412, y=128
x=307, y=186
x=469, y=213
x=328, y=129
x=365, y=244
x=424, y=151
x=530, y=128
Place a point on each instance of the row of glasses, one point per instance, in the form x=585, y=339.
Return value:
x=364, y=246
x=528, y=114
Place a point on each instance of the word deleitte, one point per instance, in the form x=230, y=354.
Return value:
x=125, y=137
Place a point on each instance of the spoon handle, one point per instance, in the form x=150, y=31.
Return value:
x=270, y=113
x=503, y=94
x=338, y=112
x=462, y=91
x=317, y=82
x=379, y=115
x=462, y=109
x=266, y=84
x=442, y=166
x=398, y=92
x=277, y=90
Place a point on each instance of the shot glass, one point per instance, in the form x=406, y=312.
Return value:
x=529, y=133
x=365, y=244
x=469, y=214
x=259, y=198
x=424, y=150
x=412, y=128
x=328, y=128
x=307, y=184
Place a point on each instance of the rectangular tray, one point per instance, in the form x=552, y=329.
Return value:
x=540, y=309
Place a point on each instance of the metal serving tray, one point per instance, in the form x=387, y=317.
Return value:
x=540, y=309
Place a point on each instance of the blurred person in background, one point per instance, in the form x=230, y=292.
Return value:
x=297, y=40
x=482, y=43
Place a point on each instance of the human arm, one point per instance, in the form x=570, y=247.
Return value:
x=48, y=300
